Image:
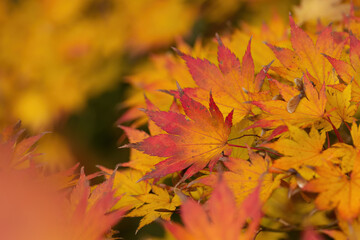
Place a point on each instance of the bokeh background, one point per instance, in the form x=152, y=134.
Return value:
x=68, y=66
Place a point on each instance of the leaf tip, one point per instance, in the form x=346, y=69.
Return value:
x=177, y=51
x=218, y=39
x=130, y=145
x=269, y=64
x=228, y=119
x=291, y=21
x=181, y=91
x=143, y=178
x=324, y=54
x=166, y=91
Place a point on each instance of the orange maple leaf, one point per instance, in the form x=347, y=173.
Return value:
x=232, y=83
x=307, y=56
x=337, y=189
x=193, y=141
x=349, y=73
x=244, y=176
x=310, y=110
x=301, y=151
x=16, y=153
x=92, y=217
x=222, y=220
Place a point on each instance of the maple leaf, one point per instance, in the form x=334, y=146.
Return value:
x=337, y=189
x=309, y=145
x=221, y=219
x=244, y=177
x=92, y=212
x=136, y=196
x=126, y=186
x=193, y=142
x=16, y=153
x=310, y=110
x=349, y=73
x=348, y=153
x=232, y=83
x=339, y=103
x=155, y=205
x=307, y=56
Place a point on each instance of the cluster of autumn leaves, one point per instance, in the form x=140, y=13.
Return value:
x=278, y=141
x=252, y=135
x=39, y=205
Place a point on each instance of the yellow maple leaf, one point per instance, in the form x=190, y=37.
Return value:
x=301, y=151
x=337, y=190
x=340, y=106
x=244, y=176
x=155, y=205
x=348, y=153
x=126, y=186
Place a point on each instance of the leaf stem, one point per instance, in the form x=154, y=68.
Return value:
x=255, y=148
x=347, y=125
x=245, y=135
x=337, y=133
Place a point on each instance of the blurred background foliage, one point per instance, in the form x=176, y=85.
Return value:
x=65, y=66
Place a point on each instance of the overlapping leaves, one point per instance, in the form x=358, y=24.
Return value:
x=293, y=131
x=192, y=141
